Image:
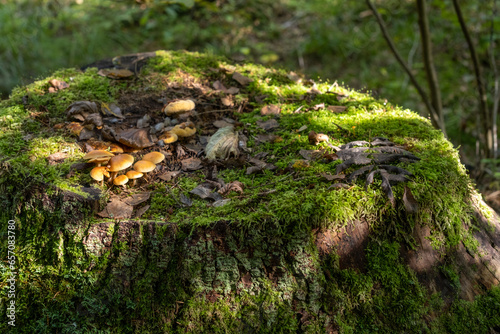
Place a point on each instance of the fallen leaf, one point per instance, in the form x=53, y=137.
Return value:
x=185, y=200
x=302, y=128
x=233, y=186
x=265, y=138
x=81, y=109
x=268, y=125
x=301, y=164
x=205, y=192
x=141, y=211
x=115, y=73
x=316, y=138
x=221, y=124
x=222, y=144
x=56, y=158
x=232, y=90
x=116, y=209
x=191, y=164
x=311, y=154
x=319, y=106
x=227, y=101
x=136, y=199
x=136, y=138
x=294, y=77
x=270, y=109
x=241, y=79
x=168, y=176
x=411, y=204
x=57, y=85
x=221, y=202
x=337, y=109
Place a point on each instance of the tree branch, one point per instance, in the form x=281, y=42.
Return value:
x=430, y=70
x=434, y=116
x=486, y=133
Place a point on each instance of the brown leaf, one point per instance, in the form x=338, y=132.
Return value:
x=168, y=176
x=227, y=101
x=56, y=158
x=294, y=77
x=116, y=73
x=233, y=186
x=319, y=106
x=117, y=209
x=57, y=84
x=82, y=108
x=411, y=204
x=221, y=124
x=141, y=211
x=336, y=109
x=232, y=90
x=316, y=138
x=137, y=198
x=191, y=164
x=265, y=138
x=241, y=79
x=268, y=125
x=311, y=154
x=219, y=86
x=136, y=138
x=270, y=109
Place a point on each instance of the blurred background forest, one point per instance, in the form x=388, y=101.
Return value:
x=336, y=40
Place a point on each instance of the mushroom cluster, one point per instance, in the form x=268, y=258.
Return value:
x=186, y=129
x=119, y=163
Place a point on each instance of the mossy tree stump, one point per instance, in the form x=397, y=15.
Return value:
x=288, y=253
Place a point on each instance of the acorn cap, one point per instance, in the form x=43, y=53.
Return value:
x=169, y=137
x=178, y=107
x=120, y=180
x=120, y=162
x=144, y=166
x=154, y=157
x=98, y=173
x=95, y=154
x=132, y=174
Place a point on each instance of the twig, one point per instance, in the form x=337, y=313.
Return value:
x=486, y=133
x=430, y=70
x=420, y=90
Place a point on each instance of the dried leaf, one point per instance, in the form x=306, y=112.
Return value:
x=361, y=159
x=241, y=79
x=191, y=164
x=185, y=200
x=204, y=192
x=222, y=144
x=386, y=187
x=221, y=202
x=136, y=138
x=227, y=101
x=411, y=204
x=268, y=125
x=270, y=109
x=168, y=176
x=136, y=199
x=115, y=73
x=56, y=158
x=58, y=84
x=302, y=128
x=265, y=138
x=316, y=138
x=336, y=109
x=311, y=154
x=81, y=108
x=221, y=124
x=94, y=119
x=141, y=211
x=117, y=209
x=233, y=186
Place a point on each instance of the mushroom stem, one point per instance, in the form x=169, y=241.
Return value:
x=112, y=176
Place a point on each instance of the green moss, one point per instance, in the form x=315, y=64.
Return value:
x=248, y=266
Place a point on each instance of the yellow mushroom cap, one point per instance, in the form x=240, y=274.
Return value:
x=120, y=180
x=100, y=160
x=115, y=148
x=95, y=154
x=120, y=162
x=132, y=174
x=154, y=157
x=184, y=129
x=178, y=107
x=144, y=166
x=169, y=137
x=98, y=173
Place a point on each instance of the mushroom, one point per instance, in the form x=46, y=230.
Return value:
x=133, y=175
x=120, y=180
x=178, y=107
x=185, y=129
x=118, y=163
x=98, y=174
x=154, y=157
x=169, y=137
x=98, y=156
x=144, y=166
